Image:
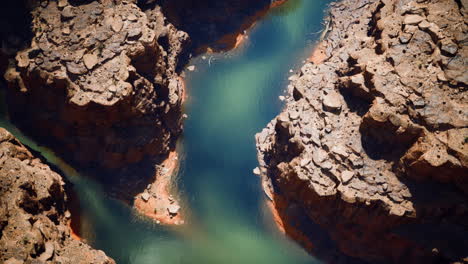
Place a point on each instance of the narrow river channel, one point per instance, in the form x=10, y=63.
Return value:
x=231, y=96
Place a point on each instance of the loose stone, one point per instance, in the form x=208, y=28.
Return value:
x=332, y=101
x=90, y=60
x=173, y=209
x=346, y=176
x=68, y=12
x=145, y=196
x=413, y=19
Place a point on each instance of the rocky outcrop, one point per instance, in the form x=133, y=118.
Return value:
x=99, y=82
x=372, y=143
x=34, y=218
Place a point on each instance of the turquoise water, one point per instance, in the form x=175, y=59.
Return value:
x=232, y=96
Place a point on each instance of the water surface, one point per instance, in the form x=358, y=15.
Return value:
x=232, y=96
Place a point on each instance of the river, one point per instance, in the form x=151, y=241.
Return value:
x=231, y=96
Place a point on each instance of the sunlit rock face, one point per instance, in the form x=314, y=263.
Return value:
x=34, y=214
x=372, y=143
x=98, y=82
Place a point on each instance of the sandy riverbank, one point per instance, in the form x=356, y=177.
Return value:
x=159, y=201
x=318, y=54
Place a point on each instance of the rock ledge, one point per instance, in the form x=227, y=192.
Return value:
x=372, y=143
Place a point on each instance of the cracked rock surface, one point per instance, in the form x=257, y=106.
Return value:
x=99, y=82
x=372, y=142
x=33, y=212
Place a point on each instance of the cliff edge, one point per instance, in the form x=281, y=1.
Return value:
x=99, y=83
x=372, y=143
x=34, y=218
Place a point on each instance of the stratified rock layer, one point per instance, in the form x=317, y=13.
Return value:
x=372, y=143
x=33, y=212
x=99, y=82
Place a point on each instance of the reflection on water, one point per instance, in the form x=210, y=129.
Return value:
x=231, y=97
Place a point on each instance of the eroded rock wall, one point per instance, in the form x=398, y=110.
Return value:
x=372, y=143
x=34, y=216
x=99, y=82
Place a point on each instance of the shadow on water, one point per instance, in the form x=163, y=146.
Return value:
x=232, y=96
x=287, y=8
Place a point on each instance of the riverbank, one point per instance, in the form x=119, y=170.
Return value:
x=277, y=206
x=373, y=124
x=224, y=115
x=318, y=54
x=157, y=202
x=74, y=222
x=234, y=40
x=160, y=200
x=284, y=221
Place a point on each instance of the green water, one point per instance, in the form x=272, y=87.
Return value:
x=232, y=96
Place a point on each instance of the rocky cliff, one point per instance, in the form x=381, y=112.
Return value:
x=372, y=143
x=99, y=82
x=34, y=218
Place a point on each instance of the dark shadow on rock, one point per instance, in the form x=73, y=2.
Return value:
x=126, y=183
x=15, y=30
x=377, y=149
x=382, y=140
x=323, y=247
x=355, y=103
x=209, y=21
x=440, y=224
x=79, y=2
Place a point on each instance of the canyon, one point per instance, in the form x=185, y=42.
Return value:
x=366, y=163
x=100, y=83
x=371, y=145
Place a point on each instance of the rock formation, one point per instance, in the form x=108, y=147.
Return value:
x=372, y=143
x=99, y=82
x=34, y=217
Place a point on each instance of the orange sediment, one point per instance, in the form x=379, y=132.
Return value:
x=285, y=223
x=278, y=205
x=157, y=205
x=74, y=223
x=184, y=91
x=318, y=54
x=73, y=234
x=276, y=216
x=277, y=3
